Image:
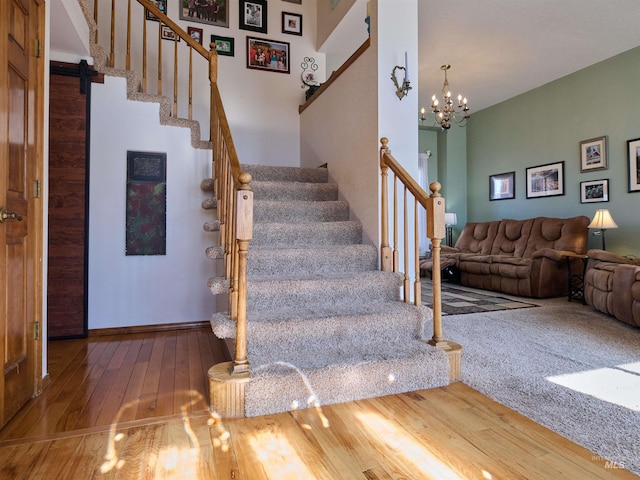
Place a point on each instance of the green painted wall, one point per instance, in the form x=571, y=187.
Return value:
x=546, y=125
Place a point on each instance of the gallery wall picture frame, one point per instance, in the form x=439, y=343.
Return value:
x=224, y=45
x=593, y=154
x=210, y=12
x=253, y=15
x=195, y=33
x=545, y=180
x=633, y=164
x=168, y=34
x=299, y=2
x=594, y=191
x=162, y=6
x=268, y=55
x=502, y=186
x=291, y=23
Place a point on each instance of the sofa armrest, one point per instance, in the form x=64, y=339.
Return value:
x=445, y=249
x=609, y=257
x=555, y=255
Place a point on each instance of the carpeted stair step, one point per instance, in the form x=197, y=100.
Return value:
x=206, y=185
x=336, y=327
x=299, y=212
x=372, y=371
x=311, y=293
x=215, y=252
x=306, y=234
x=287, y=191
x=307, y=263
x=210, y=203
x=211, y=226
x=286, y=174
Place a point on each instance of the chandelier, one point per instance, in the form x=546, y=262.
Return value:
x=448, y=113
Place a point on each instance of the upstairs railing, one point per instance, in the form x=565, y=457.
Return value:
x=434, y=205
x=231, y=186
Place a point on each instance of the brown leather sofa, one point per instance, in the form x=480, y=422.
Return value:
x=527, y=258
x=612, y=285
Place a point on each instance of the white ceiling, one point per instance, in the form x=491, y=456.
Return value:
x=501, y=48
x=497, y=48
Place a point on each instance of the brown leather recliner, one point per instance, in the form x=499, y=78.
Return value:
x=519, y=257
x=612, y=285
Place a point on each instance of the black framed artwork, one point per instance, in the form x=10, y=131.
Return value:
x=253, y=15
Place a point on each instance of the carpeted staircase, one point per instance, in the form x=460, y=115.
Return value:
x=324, y=325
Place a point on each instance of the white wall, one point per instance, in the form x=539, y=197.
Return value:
x=144, y=290
x=261, y=106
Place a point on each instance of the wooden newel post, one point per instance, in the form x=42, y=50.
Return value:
x=244, y=234
x=436, y=231
x=385, y=250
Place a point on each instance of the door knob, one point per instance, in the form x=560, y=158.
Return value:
x=4, y=215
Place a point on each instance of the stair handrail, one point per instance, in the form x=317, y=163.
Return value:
x=232, y=188
x=434, y=204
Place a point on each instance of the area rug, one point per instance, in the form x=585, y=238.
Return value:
x=564, y=365
x=457, y=300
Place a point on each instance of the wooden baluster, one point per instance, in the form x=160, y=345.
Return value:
x=436, y=232
x=144, y=52
x=128, y=57
x=244, y=233
x=396, y=257
x=405, y=222
x=175, y=76
x=190, y=111
x=113, y=26
x=95, y=19
x=385, y=250
x=417, y=284
x=160, y=58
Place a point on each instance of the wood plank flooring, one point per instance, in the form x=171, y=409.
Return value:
x=135, y=406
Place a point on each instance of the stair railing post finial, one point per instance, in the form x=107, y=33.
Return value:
x=385, y=249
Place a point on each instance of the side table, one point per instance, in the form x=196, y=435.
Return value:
x=575, y=278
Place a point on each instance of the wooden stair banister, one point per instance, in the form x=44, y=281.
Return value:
x=231, y=185
x=434, y=205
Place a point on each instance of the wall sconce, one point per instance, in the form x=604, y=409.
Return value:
x=402, y=90
x=602, y=220
x=450, y=219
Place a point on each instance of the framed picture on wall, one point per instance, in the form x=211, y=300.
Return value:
x=545, y=180
x=224, y=45
x=211, y=12
x=291, y=23
x=502, y=186
x=593, y=154
x=633, y=169
x=195, y=33
x=168, y=34
x=594, y=191
x=253, y=15
x=267, y=55
x=162, y=6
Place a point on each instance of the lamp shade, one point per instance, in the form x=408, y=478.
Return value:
x=602, y=220
x=450, y=219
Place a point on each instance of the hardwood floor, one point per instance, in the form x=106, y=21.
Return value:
x=135, y=406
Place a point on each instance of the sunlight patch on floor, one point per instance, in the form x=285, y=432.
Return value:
x=406, y=448
x=619, y=385
x=277, y=457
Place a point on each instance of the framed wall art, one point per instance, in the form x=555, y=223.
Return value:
x=268, y=55
x=633, y=168
x=545, y=180
x=253, y=15
x=502, y=186
x=211, y=12
x=291, y=23
x=299, y=2
x=593, y=154
x=162, y=6
x=195, y=33
x=224, y=45
x=594, y=191
x=168, y=34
